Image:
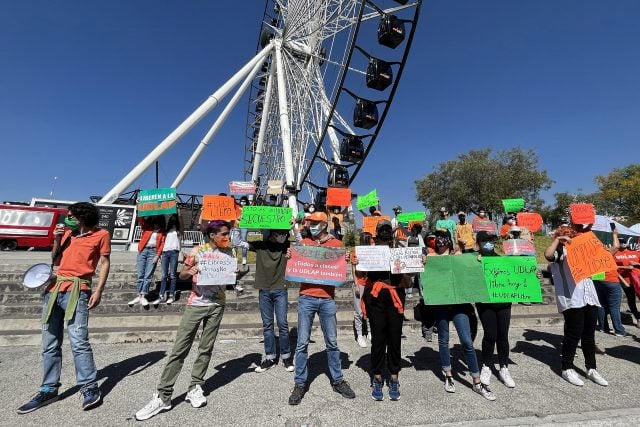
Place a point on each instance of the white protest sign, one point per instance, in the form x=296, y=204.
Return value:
x=406, y=260
x=216, y=268
x=373, y=258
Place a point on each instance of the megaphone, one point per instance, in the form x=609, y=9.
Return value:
x=38, y=275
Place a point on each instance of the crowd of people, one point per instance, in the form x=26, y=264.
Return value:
x=379, y=300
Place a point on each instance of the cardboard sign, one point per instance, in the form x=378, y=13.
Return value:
x=512, y=279
x=369, y=223
x=274, y=187
x=453, y=279
x=599, y=276
x=406, y=260
x=242, y=187
x=266, y=217
x=531, y=220
x=158, y=201
x=317, y=264
x=484, y=225
x=582, y=213
x=369, y=199
x=218, y=207
x=412, y=216
x=216, y=268
x=587, y=256
x=373, y=258
x=338, y=196
x=518, y=247
x=513, y=205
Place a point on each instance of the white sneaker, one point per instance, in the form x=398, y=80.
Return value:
x=153, y=408
x=134, y=301
x=170, y=301
x=594, y=376
x=143, y=301
x=239, y=289
x=449, y=386
x=505, y=377
x=369, y=337
x=362, y=342
x=571, y=376
x=196, y=397
x=485, y=375
x=157, y=302
x=484, y=391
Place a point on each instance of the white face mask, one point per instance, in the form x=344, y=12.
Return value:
x=281, y=238
x=316, y=229
x=312, y=209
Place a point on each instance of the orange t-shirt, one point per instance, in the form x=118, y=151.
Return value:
x=504, y=230
x=319, y=291
x=623, y=258
x=81, y=257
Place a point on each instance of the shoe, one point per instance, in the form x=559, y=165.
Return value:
x=90, y=398
x=376, y=390
x=288, y=364
x=143, y=301
x=362, y=342
x=449, y=386
x=265, y=364
x=505, y=377
x=594, y=376
x=153, y=408
x=42, y=398
x=484, y=391
x=369, y=337
x=297, y=394
x=134, y=301
x=485, y=375
x=244, y=261
x=196, y=397
x=157, y=302
x=409, y=295
x=239, y=289
x=394, y=390
x=344, y=389
x=622, y=335
x=170, y=301
x=571, y=376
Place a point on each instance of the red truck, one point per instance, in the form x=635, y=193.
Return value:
x=28, y=226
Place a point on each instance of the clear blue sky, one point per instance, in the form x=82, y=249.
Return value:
x=87, y=89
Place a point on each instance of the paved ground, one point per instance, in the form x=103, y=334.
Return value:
x=239, y=396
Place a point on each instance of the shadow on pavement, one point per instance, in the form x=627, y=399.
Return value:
x=230, y=370
x=625, y=352
x=541, y=352
x=317, y=365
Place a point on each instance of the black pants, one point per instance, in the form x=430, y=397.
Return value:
x=579, y=325
x=631, y=300
x=386, y=330
x=495, y=319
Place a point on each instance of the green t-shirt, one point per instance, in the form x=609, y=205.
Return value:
x=271, y=264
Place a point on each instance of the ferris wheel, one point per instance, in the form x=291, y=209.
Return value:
x=320, y=86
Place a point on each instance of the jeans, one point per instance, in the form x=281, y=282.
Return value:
x=169, y=270
x=145, y=268
x=243, y=237
x=610, y=297
x=78, y=332
x=308, y=306
x=357, y=312
x=459, y=315
x=579, y=326
x=275, y=302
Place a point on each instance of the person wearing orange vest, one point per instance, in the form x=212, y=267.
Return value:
x=149, y=252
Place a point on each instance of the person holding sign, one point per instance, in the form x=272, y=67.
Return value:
x=318, y=299
x=628, y=261
x=578, y=303
x=359, y=282
x=170, y=254
x=149, y=252
x=211, y=266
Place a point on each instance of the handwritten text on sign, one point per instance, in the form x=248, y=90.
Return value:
x=158, y=201
x=338, y=196
x=369, y=223
x=242, y=187
x=586, y=256
x=216, y=268
x=513, y=205
x=369, y=199
x=531, y=220
x=406, y=260
x=518, y=247
x=317, y=264
x=266, y=217
x=373, y=258
x=582, y=213
x=218, y=207
x=412, y=216
x=512, y=279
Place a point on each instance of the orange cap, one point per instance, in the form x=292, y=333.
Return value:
x=318, y=216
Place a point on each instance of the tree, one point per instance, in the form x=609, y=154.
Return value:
x=620, y=193
x=555, y=215
x=480, y=178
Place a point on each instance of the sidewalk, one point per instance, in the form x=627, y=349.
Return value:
x=128, y=374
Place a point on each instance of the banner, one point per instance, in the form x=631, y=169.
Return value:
x=411, y=216
x=513, y=205
x=118, y=220
x=218, y=207
x=266, y=217
x=587, y=256
x=216, y=268
x=338, y=196
x=369, y=223
x=158, y=201
x=582, y=213
x=531, y=220
x=453, y=279
x=518, y=247
x=512, y=279
x=321, y=265
x=406, y=260
x=369, y=199
x=242, y=187
x=373, y=258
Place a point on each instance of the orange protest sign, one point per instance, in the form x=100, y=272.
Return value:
x=582, y=213
x=369, y=223
x=531, y=220
x=218, y=207
x=586, y=256
x=338, y=196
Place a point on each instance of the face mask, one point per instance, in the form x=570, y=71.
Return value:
x=316, y=229
x=221, y=241
x=281, y=238
x=243, y=203
x=71, y=223
x=481, y=214
x=385, y=235
x=487, y=247
x=312, y=209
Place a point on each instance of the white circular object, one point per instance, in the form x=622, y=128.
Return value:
x=37, y=275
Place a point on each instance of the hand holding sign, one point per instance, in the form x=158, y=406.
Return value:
x=218, y=207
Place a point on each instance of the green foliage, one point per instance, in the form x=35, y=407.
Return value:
x=554, y=215
x=350, y=238
x=620, y=193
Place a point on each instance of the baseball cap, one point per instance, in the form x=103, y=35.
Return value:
x=514, y=228
x=382, y=224
x=397, y=208
x=462, y=213
x=318, y=216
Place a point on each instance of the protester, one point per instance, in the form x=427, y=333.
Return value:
x=149, y=252
x=360, y=279
x=205, y=306
x=578, y=303
x=610, y=296
x=482, y=223
x=507, y=222
x=336, y=229
x=445, y=223
x=464, y=234
x=77, y=251
x=170, y=253
x=399, y=231
x=318, y=299
x=243, y=232
x=373, y=210
x=628, y=261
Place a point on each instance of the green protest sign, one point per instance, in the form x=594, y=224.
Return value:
x=369, y=199
x=512, y=279
x=158, y=201
x=267, y=217
x=453, y=279
x=513, y=205
x=411, y=216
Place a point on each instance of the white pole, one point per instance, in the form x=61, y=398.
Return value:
x=184, y=127
x=216, y=126
x=257, y=155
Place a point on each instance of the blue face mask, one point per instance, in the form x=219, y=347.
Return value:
x=487, y=247
x=316, y=229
